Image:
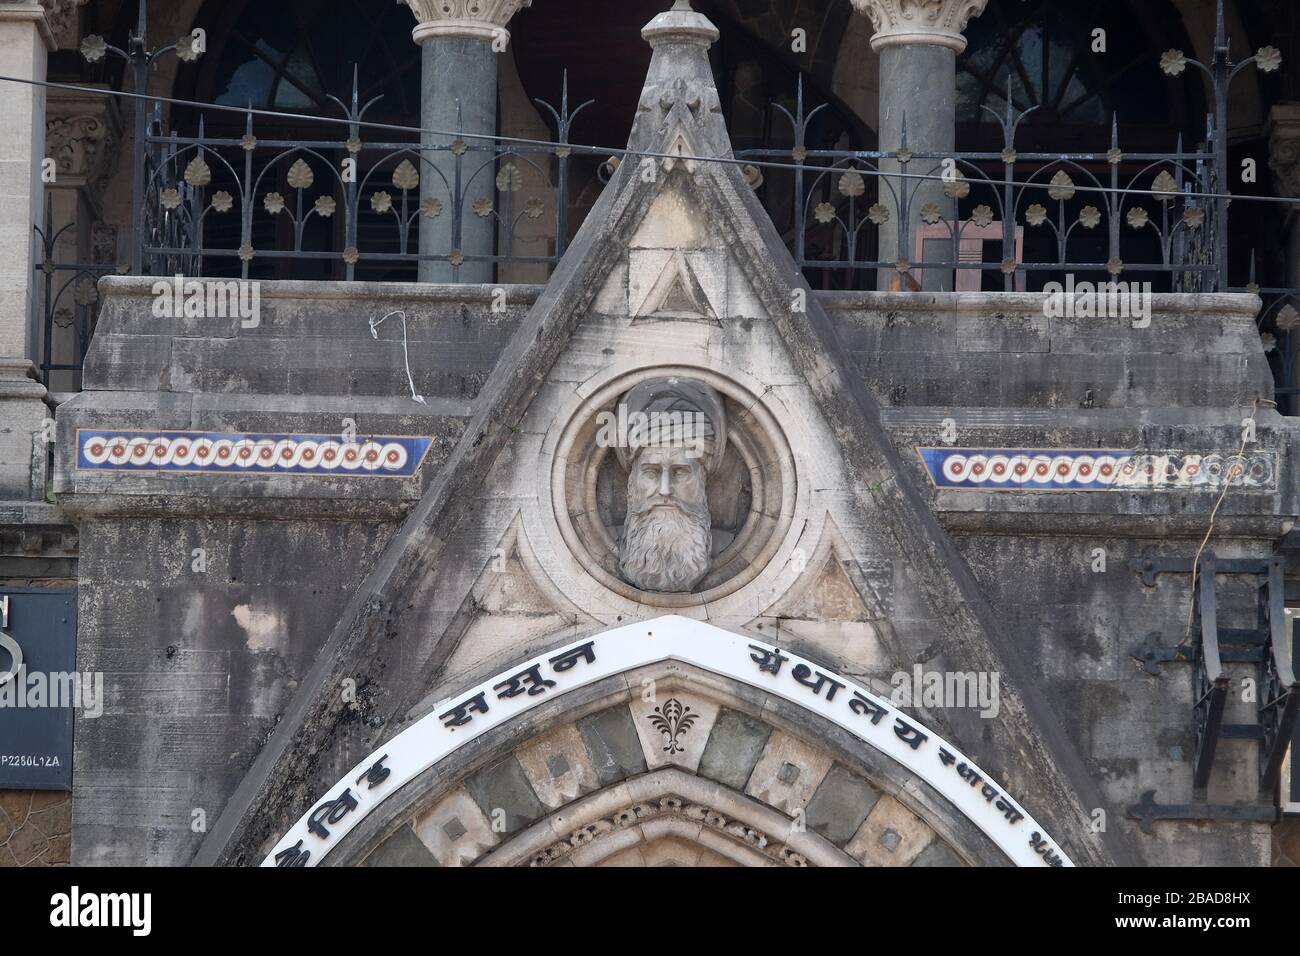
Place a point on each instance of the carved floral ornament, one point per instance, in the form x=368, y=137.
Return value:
x=671, y=805
x=1284, y=148
x=82, y=144
x=920, y=22
x=479, y=19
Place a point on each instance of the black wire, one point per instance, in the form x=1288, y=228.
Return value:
x=613, y=152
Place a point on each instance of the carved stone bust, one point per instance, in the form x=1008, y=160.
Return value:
x=672, y=486
x=671, y=435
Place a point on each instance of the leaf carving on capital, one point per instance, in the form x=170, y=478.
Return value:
x=496, y=12
x=943, y=18
x=81, y=146
x=1284, y=160
x=61, y=15
x=1284, y=148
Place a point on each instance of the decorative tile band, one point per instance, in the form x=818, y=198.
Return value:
x=216, y=453
x=1094, y=470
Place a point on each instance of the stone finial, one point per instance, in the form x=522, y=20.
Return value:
x=679, y=112
x=920, y=22
x=681, y=24
x=479, y=19
x=1284, y=148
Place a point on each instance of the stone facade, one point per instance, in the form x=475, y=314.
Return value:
x=844, y=549
x=267, y=620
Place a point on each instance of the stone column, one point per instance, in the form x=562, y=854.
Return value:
x=25, y=43
x=460, y=41
x=918, y=46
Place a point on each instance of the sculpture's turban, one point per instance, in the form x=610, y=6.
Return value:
x=675, y=411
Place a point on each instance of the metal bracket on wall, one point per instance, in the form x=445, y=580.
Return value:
x=1208, y=647
x=1146, y=811
x=1237, y=646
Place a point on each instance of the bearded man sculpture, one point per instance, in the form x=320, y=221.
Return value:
x=676, y=441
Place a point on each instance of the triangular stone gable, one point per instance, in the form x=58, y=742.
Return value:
x=397, y=619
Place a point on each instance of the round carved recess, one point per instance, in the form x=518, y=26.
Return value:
x=751, y=493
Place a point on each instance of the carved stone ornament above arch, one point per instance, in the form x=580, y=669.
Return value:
x=461, y=739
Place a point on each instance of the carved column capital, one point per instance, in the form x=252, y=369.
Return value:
x=82, y=133
x=479, y=19
x=62, y=16
x=920, y=22
x=1284, y=148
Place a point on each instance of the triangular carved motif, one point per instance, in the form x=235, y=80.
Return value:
x=512, y=588
x=677, y=294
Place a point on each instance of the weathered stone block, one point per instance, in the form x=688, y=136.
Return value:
x=402, y=848
x=734, y=746
x=613, y=744
x=840, y=804
x=503, y=793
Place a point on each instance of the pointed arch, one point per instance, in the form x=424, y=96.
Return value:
x=455, y=724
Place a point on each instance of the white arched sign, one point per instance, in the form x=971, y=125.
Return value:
x=458, y=720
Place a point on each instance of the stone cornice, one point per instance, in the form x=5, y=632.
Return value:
x=920, y=22
x=476, y=19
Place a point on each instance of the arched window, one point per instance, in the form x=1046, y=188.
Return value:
x=1078, y=63
x=293, y=54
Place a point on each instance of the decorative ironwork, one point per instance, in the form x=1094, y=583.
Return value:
x=1221, y=71
x=1278, y=321
x=70, y=299
x=218, y=204
x=141, y=61
x=1002, y=197
x=349, y=179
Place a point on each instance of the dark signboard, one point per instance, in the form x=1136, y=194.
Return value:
x=38, y=640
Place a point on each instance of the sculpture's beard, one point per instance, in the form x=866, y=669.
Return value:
x=666, y=548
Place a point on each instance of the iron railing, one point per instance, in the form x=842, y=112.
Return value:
x=349, y=208
x=363, y=185
x=69, y=300
x=843, y=202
